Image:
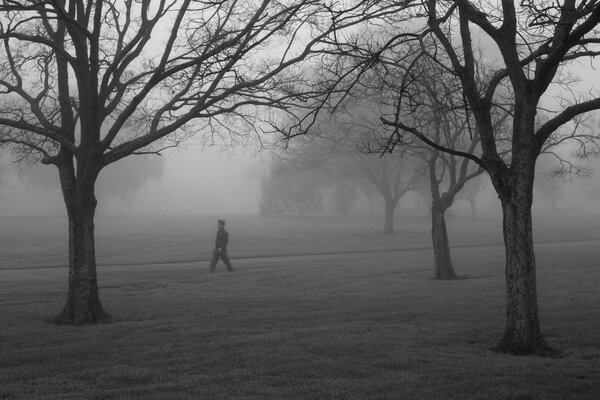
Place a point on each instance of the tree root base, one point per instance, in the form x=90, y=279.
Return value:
x=447, y=277
x=539, y=348
x=65, y=318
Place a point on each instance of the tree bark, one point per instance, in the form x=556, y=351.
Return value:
x=522, y=333
x=83, y=301
x=441, y=246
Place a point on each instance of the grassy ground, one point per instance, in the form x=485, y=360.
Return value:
x=42, y=242
x=358, y=326
x=361, y=325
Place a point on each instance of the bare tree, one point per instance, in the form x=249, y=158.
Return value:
x=84, y=84
x=393, y=175
x=435, y=105
x=534, y=43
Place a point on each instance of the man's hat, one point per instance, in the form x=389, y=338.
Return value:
x=221, y=222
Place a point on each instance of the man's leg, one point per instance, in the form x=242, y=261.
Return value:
x=226, y=260
x=214, y=260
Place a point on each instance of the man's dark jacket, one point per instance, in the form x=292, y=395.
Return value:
x=222, y=239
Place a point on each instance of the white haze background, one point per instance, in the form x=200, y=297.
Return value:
x=195, y=180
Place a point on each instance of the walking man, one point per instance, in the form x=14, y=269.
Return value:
x=221, y=248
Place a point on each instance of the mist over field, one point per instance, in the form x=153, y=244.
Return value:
x=191, y=180
x=206, y=181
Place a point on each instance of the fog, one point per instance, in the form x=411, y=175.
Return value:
x=205, y=181
x=192, y=180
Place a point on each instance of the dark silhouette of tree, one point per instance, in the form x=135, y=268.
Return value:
x=534, y=43
x=84, y=84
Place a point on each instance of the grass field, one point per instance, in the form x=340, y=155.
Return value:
x=42, y=241
x=347, y=323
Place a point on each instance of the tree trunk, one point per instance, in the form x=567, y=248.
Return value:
x=473, y=204
x=83, y=302
x=441, y=247
x=390, y=209
x=522, y=334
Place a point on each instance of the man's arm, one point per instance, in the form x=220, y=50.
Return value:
x=225, y=238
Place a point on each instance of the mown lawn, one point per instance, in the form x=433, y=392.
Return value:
x=370, y=325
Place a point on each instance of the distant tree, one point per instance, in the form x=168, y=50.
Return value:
x=470, y=192
x=369, y=193
x=292, y=191
x=124, y=178
x=435, y=104
x=344, y=196
x=555, y=181
x=393, y=175
x=341, y=146
x=121, y=180
x=86, y=83
x=436, y=109
x=549, y=186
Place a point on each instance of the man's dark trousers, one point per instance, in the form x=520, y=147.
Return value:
x=222, y=254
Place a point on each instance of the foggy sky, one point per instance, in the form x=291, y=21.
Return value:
x=194, y=181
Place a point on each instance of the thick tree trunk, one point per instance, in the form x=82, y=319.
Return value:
x=441, y=246
x=83, y=302
x=522, y=334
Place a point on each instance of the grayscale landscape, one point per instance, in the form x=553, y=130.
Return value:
x=299, y=199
